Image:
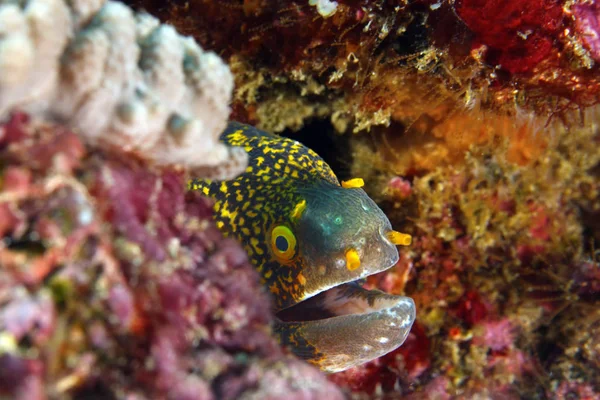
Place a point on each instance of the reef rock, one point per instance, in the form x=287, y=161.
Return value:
x=114, y=283
x=119, y=79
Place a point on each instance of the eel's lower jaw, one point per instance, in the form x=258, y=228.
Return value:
x=346, y=326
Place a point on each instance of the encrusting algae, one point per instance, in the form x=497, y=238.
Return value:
x=311, y=239
x=502, y=269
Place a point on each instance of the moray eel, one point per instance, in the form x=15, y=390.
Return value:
x=313, y=240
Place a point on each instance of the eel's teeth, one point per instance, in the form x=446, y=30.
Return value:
x=341, y=342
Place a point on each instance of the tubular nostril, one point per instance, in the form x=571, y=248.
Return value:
x=383, y=233
x=399, y=238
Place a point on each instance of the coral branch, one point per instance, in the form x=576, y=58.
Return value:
x=120, y=79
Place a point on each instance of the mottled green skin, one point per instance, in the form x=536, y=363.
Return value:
x=282, y=174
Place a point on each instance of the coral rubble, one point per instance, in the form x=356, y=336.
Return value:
x=118, y=78
x=114, y=283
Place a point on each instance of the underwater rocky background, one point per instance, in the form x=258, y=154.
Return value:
x=115, y=283
x=474, y=123
x=475, y=127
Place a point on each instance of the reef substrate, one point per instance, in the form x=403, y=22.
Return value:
x=362, y=64
x=115, y=283
x=504, y=269
x=482, y=143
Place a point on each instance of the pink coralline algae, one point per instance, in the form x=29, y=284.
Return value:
x=587, y=24
x=400, y=187
x=114, y=283
x=497, y=335
x=574, y=391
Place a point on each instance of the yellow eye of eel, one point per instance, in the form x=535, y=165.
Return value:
x=283, y=243
x=313, y=240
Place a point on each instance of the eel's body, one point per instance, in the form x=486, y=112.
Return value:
x=310, y=239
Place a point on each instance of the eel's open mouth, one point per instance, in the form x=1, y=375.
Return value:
x=345, y=326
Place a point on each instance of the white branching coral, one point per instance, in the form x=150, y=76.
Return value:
x=120, y=79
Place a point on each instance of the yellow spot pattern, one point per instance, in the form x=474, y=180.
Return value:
x=298, y=210
x=264, y=196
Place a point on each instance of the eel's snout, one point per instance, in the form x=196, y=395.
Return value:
x=359, y=325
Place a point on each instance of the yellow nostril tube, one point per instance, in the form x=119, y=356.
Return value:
x=399, y=238
x=353, y=183
x=352, y=260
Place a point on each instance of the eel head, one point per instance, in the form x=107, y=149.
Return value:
x=343, y=237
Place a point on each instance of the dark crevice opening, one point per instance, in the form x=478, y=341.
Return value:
x=320, y=136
